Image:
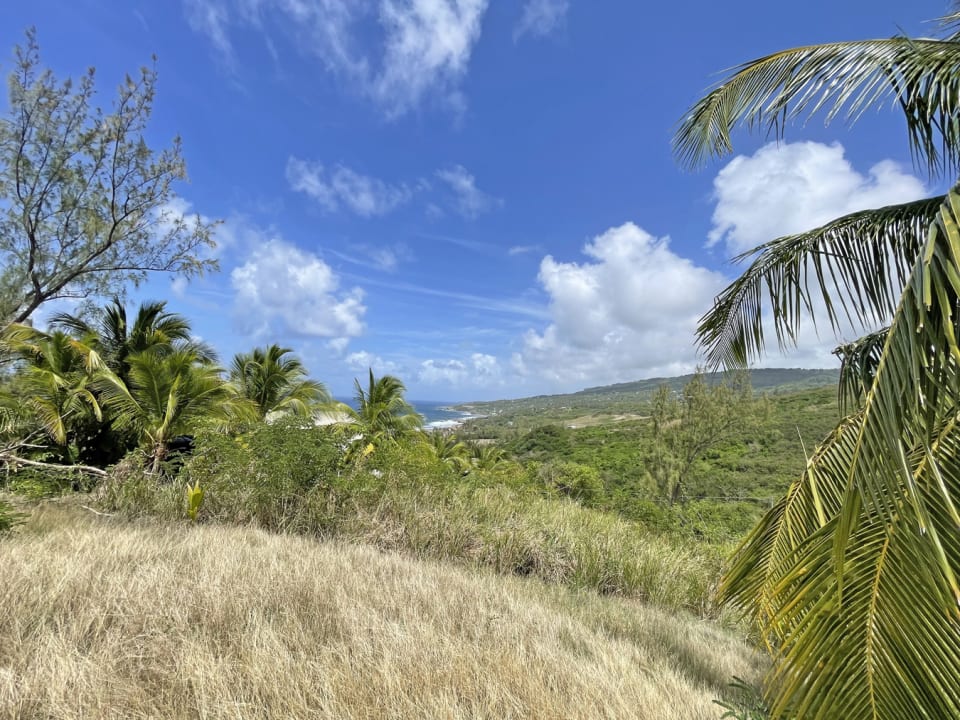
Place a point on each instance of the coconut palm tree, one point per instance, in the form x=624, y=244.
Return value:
x=168, y=394
x=54, y=380
x=485, y=456
x=381, y=410
x=115, y=338
x=450, y=449
x=276, y=384
x=852, y=576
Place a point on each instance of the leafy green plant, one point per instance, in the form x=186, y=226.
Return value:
x=573, y=480
x=194, y=495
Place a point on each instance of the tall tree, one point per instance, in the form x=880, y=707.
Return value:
x=852, y=577
x=275, y=382
x=85, y=205
x=685, y=428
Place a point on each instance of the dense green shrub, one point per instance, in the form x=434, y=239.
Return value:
x=546, y=440
x=573, y=480
x=263, y=475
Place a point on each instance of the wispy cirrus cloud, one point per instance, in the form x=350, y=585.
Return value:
x=541, y=18
x=385, y=258
x=468, y=199
x=342, y=187
x=517, y=306
x=423, y=46
x=524, y=250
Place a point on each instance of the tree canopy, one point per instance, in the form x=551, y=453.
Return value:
x=86, y=206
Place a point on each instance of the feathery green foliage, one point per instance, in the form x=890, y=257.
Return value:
x=168, y=394
x=85, y=204
x=859, y=263
x=275, y=383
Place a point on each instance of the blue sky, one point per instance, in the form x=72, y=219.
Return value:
x=477, y=196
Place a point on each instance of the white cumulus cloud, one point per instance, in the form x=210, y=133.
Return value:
x=790, y=188
x=282, y=284
x=478, y=370
x=363, y=361
x=793, y=187
x=628, y=311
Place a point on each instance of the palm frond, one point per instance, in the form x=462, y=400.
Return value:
x=859, y=361
x=921, y=76
x=857, y=264
x=950, y=22
x=862, y=600
x=812, y=501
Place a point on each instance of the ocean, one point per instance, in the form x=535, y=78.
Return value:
x=436, y=415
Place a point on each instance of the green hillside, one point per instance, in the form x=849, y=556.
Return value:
x=623, y=396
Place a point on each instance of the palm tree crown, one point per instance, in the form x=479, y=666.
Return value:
x=115, y=338
x=55, y=378
x=167, y=395
x=275, y=383
x=853, y=576
x=382, y=410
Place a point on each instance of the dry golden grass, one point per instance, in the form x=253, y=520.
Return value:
x=105, y=619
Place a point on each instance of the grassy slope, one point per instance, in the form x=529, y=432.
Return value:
x=110, y=619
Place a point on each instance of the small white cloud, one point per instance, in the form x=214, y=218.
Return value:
x=541, y=18
x=281, y=283
x=342, y=187
x=338, y=345
x=468, y=199
x=479, y=370
x=523, y=249
x=363, y=361
x=793, y=187
x=428, y=46
x=388, y=259
x=178, y=286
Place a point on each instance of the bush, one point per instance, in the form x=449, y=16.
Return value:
x=577, y=482
x=263, y=475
